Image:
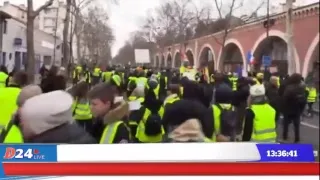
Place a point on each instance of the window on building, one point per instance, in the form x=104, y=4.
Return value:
x=5, y=26
x=4, y=58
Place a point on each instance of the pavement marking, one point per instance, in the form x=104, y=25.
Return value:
x=309, y=125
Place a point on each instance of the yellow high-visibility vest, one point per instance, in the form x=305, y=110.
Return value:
x=110, y=132
x=8, y=104
x=3, y=78
x=264, y=125
x=312, y=97
x=141, y=136
x=81, y=110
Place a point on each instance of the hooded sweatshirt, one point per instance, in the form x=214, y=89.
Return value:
x=47, y=118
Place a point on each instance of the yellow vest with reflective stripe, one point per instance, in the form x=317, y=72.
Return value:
x=14, y=135
x=141, y=136
x=133, y=98
x=171, y=100
x=116, y=79
x=8, y=103
x=142, y=81
x=257, y=81
x=312, y=94
x=156, y=91
x=107, y=76
x=264, y=126
x=110, y=132
x=96, y=72
x=81, y=111
x=3, y=78
x=278, y=81
x=234, y=82
x=216, y=118
x=88, y=77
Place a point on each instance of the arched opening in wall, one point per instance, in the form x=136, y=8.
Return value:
x=162, y=63
x=207, y=59
x=313, y=68
x=231, y=58
x=177, y=60
x=157, y=63
x=190, y=57
x=276, y=48
x=169, y=61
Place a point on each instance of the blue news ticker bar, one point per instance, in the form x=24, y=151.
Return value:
x=286, y=152
x=28, y=153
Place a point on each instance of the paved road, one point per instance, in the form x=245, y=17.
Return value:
x=309, y=132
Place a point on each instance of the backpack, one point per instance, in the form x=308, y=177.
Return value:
x=153, y=125
x=228, y=122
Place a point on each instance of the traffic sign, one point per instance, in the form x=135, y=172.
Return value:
x=266, y=61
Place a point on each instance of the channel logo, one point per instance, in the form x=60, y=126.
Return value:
x=27, y=154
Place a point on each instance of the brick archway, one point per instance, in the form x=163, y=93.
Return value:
x=281, y=35
x=193, y=55
x=309, y=55
x=166, y=59
x=207, y=45
x=238, y=44
x=176, y=53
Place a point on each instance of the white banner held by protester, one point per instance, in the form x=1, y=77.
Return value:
x=142, y=56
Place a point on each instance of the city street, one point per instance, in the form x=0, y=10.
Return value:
x=309, y=131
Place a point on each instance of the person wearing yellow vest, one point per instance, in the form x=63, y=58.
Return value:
x=150, y=129
x=312, y=98
x=131, y=84
x=3, y=76
x=173, y=94
x=137, y=114
x=109, y=127
x=11, y=133
x=96, y=75
x=117, y=82
x=259, y=78
x=225, y=130
x=106, y=77
x=260, y=119
x=88, y=77
x=81, y=108
x=154, y=85
x=76, y=75
x=8, y=97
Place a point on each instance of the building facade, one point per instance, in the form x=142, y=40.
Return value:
x=14, y=40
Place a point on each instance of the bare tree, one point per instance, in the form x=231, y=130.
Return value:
x=97, y=36
x=228, y=22
x=31, y=15
x=66, y=51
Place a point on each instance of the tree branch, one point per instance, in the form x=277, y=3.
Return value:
x=47, y=4
x=218, y=8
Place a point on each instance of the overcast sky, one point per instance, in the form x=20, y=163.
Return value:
x=127, y=15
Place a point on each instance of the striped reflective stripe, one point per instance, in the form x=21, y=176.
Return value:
x=270, y=130
x=108, y=135
x=265, y=140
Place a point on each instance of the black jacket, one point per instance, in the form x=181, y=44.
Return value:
x=290, y=105
x=64, y=134
x=272, y=93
